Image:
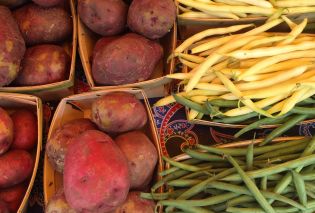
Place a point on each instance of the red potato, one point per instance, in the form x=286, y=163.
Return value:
x=48, y=3
x=12, y=3
x=15, y=167
x=118, y=112
x=135, y=204
x=151, y=18
x=142, y=157
x=101, y=43
x=12, y=47
x=57, y=145
x=4, y=207
x=103, y=17
x=40, y=25
x=58, y=204
x=13, y=196
x=6, y=131
x=131, y=58
x=44, y=64
x=25, y=129
x=96, y=177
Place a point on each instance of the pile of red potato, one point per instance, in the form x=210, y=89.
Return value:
x=106, y=160
x=128, y=51
x=31, y=38
x=18, y=138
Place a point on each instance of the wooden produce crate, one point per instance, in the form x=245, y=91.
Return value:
x=12, y=101
x=79, y=106
x=57, y=90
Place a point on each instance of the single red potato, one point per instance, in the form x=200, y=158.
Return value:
x=135, y=204
x=106, y=18
x=129, y=59
x=102, y=43
x=57, y=145
x=151, y=18
x=25, y=129
x=12, y=47
x=58, y=204
x=141, y=155
x=48, y=3
x=96, y=177
x=13, y=196
x=12, y=3
x=40, y=25
x=15, y=167
x=6, y=131
x=118, y=112
x=44, y=64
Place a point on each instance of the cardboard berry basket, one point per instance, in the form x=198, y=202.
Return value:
x=11, y=102
x=154, y=86
x=78, y=106
x=57, y=90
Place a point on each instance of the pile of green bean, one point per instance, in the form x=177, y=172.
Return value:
x=215, y=108
x=278, y=177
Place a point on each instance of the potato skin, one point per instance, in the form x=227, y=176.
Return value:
x=118, y=112
x=48, y=3
x=15, y=167
x=4, y=207
x=43, y=64
x=6, y=131
x=12, y=47
x=131, y=58
x=12, y=3
x=57, y=145
x=134, y=203
x=103, y=17
x=151, y=18
x=96, y=177
x=25, y=129
x=102, y=43
x=40, y=25
x=58, y=204
x=13, y=196
x=142, y=157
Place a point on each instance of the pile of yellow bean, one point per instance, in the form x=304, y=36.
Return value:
x=267, y=73
x=237, y=9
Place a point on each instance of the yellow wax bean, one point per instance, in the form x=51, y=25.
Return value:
x=293, y=100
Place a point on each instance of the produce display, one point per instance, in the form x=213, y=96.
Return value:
x=256, y=76
x=18, y=138
x=238, y=9
x=103, y=163
x=276, y=177
x=131, y=51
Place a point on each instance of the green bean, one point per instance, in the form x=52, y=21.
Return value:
x=286, y=180
x=257, y=151
x=173, y=169
x=240, y=199
x=307, y=101
x=258, y=210
x=182, y=166
x=245, y=191
x=162, y=196
x=288, y=150
x=236, y=119
x=252, y=187
x=197, y=174
x=300, y=187
x=257, y=124
x=183, y=182
x=303, y=110
x=283, y=128
x=310, y=193
x=212, y=191
x=308, y=160
x=187, y=208
x=250, y=156
x=214, y=111
x=169, y=177
x=199, y=187
x=225, y=103
x=310, y=204
x=204, y=202
x=219, y=207
x=190, y=104
x=264, y=183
